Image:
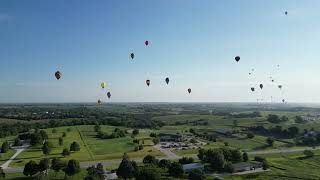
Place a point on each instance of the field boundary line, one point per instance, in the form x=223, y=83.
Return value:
x=85, y=144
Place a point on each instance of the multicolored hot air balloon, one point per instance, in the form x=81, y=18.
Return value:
x=132, y=55
x=237, y=58
x=167, y=80
x=261, y=86
x=58, y=75
x=103, y=85
x=148, y=82
x=189, y=90
x=146, y=42
x=109, y=95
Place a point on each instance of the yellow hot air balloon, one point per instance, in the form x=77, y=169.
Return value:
x=103, y=85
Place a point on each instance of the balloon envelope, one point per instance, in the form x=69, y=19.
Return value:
x=103, y=85
x=252, y=89
x=148, y=82
x=109, y=95
x=132, y=55
x=58, y=75
x=189, y=90
x=146, y=43
x=237, y=58
x=167, y=80
x=261, y=86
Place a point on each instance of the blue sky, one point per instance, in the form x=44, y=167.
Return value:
x=191, y=42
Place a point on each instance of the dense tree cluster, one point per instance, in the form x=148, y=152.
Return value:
x=276, y=119
x=220, y=159
x=117, y=133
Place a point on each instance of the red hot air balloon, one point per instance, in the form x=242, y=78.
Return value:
x=189, y=90
x=148, y=82
x=146, y=42
x=58, y=75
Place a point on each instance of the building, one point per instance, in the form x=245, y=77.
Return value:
x=189, y=167
x=110, y=176
x=245, y=166
x=170, y=137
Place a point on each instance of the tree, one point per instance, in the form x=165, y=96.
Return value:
x=17, y=142
x=64, y=134
x=46, y=148
x=250, y=135
x=95, y=173
x=273, y=118
x=270, y=141
x=153, y=135
x=5, y=147
x=35, y=139
x=164, y=163
x=186, y=160
x=2, y=173
x=65, y=152
x=293, y=131
x=175, y=169
x=228, y=167
x=57, y=164
x=97, y=128
x=235, y=123
x=75, y=146
x=60, y=141
x=149, y=159
x=308, y=153
x=299, y=120
x=155, y=140
x=236, y=155
x=125, y=169
x=216, y=159
x=245, y=157
x=147, y=173
x=201, y=154
x=68, y=129
x=265, y=165
x=72, y=168
x=44, y=165
x=196, y=174
x=135, y=132
x=31, y=168
x=43, y=134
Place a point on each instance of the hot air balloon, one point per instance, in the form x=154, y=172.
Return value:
x=132, y=55
x=99, y=101
x=261, y=86
x=249, y=73
x=272, y=80
x=109, y=95
x=167, y=80
x=103, y=85
x=189, y=90
x=286, y=13
x=252, y=89
x=58, y=75
x=283, y=100
x=148, y=82
x=237, y=58
x=280, y=86
x=146, y=43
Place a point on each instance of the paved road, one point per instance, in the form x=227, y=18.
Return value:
x=289, y=150
x=169, y=154
x=19, y=150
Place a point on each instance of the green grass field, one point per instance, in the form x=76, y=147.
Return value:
x=92, y=148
